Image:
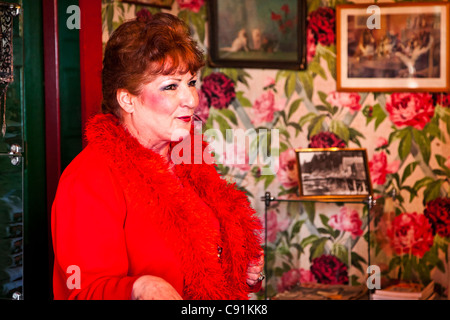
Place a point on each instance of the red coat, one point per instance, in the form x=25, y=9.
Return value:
x=120, y=213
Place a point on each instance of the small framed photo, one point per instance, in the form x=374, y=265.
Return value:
x=393, y=47
x=152, y=3
x=333, y=174
x=257, y=34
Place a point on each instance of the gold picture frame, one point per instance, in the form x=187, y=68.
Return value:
x=393, y=47
x=333, y=174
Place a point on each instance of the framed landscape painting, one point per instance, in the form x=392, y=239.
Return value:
x=333, y=174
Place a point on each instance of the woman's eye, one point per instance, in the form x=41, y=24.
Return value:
x=192, y=83
x=170, y=87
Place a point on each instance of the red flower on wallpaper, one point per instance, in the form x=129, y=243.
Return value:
x=410, y=233
x=219, y=90
x=326, y=139
x=143, y=15
x=438, y=213
x=310, y=45
x=347, y=220
x=329, y=270
x=410, y=109
x=192, y=5
x=379, y=168
x=322, y=24
x=443, y=99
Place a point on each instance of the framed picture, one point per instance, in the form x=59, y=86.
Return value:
x=333, y=174
x=153, y=3
x=393, y=47
x=257, y=34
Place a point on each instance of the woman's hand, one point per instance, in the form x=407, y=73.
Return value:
x=255, y=270
x=153, y=288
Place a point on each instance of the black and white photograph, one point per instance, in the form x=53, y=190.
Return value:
x=330, y=173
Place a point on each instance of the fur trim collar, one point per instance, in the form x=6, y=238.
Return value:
x=181, y=213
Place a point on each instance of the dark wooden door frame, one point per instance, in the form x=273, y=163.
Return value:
x=91, y=55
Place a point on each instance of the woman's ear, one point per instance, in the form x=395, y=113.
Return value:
x=126, y=100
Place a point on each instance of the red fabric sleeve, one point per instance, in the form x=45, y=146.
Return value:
x=88, y=215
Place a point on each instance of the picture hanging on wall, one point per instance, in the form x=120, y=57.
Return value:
x=153, y=3
x=393, y=47
x=257, y=34
x=333, y=174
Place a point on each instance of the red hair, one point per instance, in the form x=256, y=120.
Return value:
x=138, y=51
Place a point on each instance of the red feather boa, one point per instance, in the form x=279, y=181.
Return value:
x=179, y=211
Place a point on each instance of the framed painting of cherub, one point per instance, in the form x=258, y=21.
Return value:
x=393, y=47
x=257, y=34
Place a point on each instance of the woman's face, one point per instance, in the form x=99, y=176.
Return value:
x=163, y=109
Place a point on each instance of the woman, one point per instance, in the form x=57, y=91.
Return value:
x=129, y=223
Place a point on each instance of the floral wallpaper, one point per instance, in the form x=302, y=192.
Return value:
x=406, y=136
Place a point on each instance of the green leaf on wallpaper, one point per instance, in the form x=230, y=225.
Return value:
x=289, y=85
x=243, y=100
x=354, y=134
x=294, y=106
x=433, y=129
x=306, y=118
x=340, y=251
x=296, y=228
x=340, y=129
x=317, y=248
x=308, y=240
x=230, y=115
x=306, y=81
x=310, y=209
x=331, y=62
x=268, y=180
x=283, y=146
x=223, y=125
x=409, y=169
x=199, y=22
x=432, y=191
x=404, y=147
x=315, y=67
x=323, y=97
x=423, y=143
x=314, y=5
x=379, y=115
x=422, y=183
x=315, y=126
x=441, y=162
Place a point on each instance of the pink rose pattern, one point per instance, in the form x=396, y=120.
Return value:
x=345, y=99
x=347, y=220
x=379, y=168
x=410, y=109
x=287, y=172
x=273, y=225
x=295, y=277
x=265, y=106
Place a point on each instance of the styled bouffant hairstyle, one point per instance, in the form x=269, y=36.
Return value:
x=139, y=50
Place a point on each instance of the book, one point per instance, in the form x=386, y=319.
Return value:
x=405, y=291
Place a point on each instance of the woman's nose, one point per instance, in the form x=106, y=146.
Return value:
x=189, y=97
